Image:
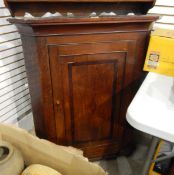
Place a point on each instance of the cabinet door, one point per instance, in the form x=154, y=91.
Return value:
x=87, y=84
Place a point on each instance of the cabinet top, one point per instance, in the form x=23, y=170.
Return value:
x=71, y=21
x=78, y=7
x=9, y=1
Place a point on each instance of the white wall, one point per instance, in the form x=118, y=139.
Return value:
x=15, y=101
x=165, y=9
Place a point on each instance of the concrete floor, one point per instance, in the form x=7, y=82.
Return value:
x=131, y=165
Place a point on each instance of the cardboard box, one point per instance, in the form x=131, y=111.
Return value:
x=66, y=160
x=160, y=55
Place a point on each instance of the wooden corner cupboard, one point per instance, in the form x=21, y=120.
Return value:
x=82, y=71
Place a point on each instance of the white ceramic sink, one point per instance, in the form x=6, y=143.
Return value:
x=152, y=109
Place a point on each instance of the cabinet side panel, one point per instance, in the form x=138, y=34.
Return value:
x=37, y=67
x=130, y=90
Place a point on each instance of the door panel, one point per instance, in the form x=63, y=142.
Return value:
x=90, y=88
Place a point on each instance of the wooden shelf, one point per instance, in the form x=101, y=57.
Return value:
x=78, y=7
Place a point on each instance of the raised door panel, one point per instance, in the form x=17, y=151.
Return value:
x=90, y=88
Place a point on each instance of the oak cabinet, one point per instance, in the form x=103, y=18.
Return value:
x=83, y=73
